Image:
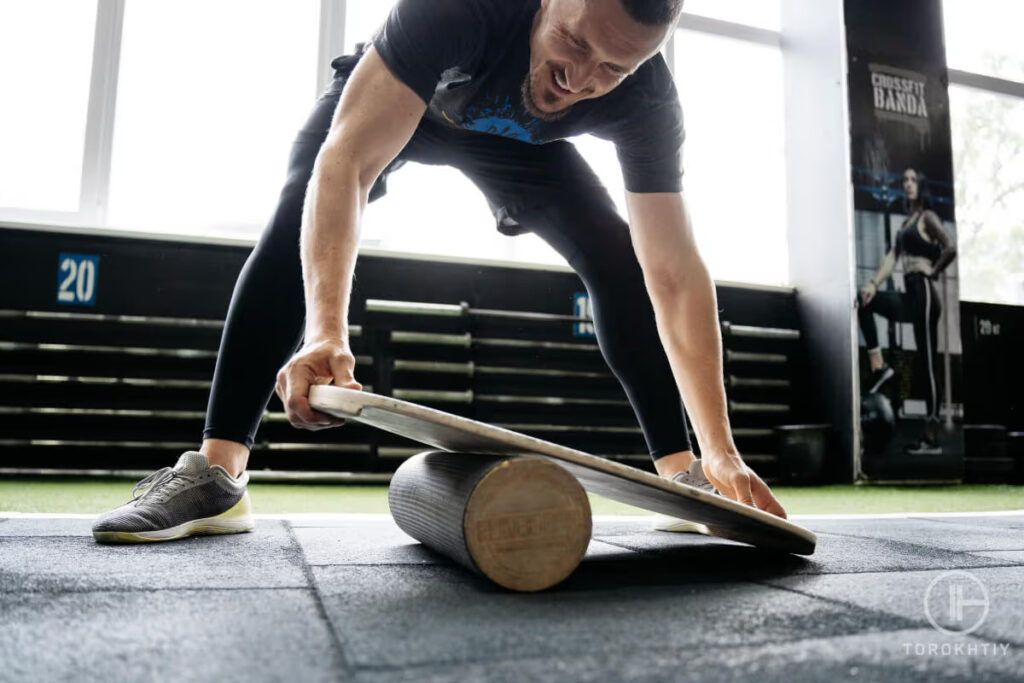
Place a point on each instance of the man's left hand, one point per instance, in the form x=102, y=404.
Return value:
x=734, y=479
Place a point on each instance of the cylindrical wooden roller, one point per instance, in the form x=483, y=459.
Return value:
x=523, y=522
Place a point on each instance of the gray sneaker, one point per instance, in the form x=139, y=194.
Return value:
x=190, y=498
x=695, y=478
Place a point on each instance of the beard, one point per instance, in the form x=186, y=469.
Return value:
x=530, y=104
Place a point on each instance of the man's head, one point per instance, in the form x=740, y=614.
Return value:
x=582, y=49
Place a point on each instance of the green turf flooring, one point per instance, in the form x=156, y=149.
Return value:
x=93, y=496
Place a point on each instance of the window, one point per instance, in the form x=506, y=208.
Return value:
x=734, y=158
x=198, y=103
x=43, y=135
x=988, y=148
x=986, y=59
x=760, y=13
x=210, y=97
x=983, y=37
x=362, y=18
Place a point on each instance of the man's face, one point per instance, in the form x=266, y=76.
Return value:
x=582, y=49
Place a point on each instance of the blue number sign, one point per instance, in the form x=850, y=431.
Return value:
x=76, y=279
x=582, y=309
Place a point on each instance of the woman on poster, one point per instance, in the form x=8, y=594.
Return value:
x=927, y=250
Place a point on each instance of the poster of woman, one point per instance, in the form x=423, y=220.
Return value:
x=907, y=303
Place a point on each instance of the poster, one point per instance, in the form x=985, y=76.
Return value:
x=907, y=309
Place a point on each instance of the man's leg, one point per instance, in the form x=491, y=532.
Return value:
x=595, y=241
x=571, y=211
x=262, y=329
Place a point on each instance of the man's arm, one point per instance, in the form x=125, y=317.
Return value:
x=375, y=118
x=683, y=296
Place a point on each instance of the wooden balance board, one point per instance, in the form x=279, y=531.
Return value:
x=716, y=515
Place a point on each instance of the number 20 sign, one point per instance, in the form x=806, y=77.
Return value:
x=76, y=279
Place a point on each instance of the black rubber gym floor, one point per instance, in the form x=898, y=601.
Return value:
x=356, y=599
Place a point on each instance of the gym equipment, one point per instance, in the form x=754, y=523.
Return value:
x=715, y=515
x=522, y=522
x=802, y=452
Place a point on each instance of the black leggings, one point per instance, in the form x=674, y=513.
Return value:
x=547, y=189
x=919, y=305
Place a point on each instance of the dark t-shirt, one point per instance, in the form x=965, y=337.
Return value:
x=467, y=60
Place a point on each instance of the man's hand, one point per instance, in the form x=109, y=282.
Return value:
x=317, y=362
x=735, y=480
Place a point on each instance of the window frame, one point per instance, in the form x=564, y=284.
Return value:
x=97, y=150
x=990, y=85
x=98, y=144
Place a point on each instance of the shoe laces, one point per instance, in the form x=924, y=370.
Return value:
x=160, y=485
x=696, y=478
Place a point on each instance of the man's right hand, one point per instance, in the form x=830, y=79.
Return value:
x=317, y=362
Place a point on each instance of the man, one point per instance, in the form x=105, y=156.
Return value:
x=491, y=87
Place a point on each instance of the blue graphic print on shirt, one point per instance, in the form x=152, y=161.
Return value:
x=500, y=118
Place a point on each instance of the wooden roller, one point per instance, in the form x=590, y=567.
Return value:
x=522, y=522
